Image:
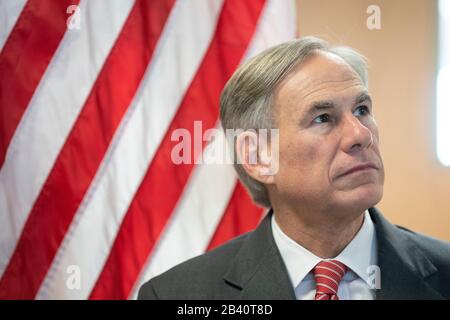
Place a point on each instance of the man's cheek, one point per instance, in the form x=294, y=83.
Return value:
x=309, y=155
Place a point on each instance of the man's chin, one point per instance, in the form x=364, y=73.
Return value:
x=360, y=198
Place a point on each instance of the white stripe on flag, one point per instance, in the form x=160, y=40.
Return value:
x=179, y=52
x=277, y=24
x=194, y=221
x=9, y=13
x=195, y=218
x=51, y=113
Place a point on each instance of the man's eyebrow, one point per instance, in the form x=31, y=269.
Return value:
x=363, y=97
x=328, y=104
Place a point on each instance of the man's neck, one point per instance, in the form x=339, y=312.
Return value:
x=324, y=234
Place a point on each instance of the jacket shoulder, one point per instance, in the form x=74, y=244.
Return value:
x=196, y=278
x=438, y=251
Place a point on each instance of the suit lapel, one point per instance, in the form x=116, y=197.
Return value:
x=258, y=269
x=406, y=273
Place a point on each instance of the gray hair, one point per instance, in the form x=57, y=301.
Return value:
x=246, y=100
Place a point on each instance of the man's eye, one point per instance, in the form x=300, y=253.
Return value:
x=364, y=109
x=322, y=118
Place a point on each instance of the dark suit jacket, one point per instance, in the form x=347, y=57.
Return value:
x=412, y=266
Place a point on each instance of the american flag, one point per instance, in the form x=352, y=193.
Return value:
x=91, y=203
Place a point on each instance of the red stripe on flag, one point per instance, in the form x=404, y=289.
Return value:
x=24, y=59
x=241, y=216
x=164, y=181
x=84, y=149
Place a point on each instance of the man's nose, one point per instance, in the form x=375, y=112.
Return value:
x=355, y=135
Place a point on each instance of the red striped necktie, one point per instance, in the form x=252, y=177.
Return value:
x=328, y=274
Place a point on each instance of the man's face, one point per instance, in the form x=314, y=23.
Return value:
x=325, y=117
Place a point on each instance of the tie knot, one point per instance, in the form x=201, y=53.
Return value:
x=328, y=274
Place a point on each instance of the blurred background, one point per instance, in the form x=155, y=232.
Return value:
x=95, y=96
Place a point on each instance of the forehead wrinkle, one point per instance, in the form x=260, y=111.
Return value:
x=324, y=83
x=295, y=100
x=305, y=77
x=307, y=109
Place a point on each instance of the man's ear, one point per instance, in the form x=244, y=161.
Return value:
x=254, y=156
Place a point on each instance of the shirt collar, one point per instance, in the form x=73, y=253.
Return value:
x=358, y=255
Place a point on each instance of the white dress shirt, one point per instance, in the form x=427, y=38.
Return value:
x=358, y=256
